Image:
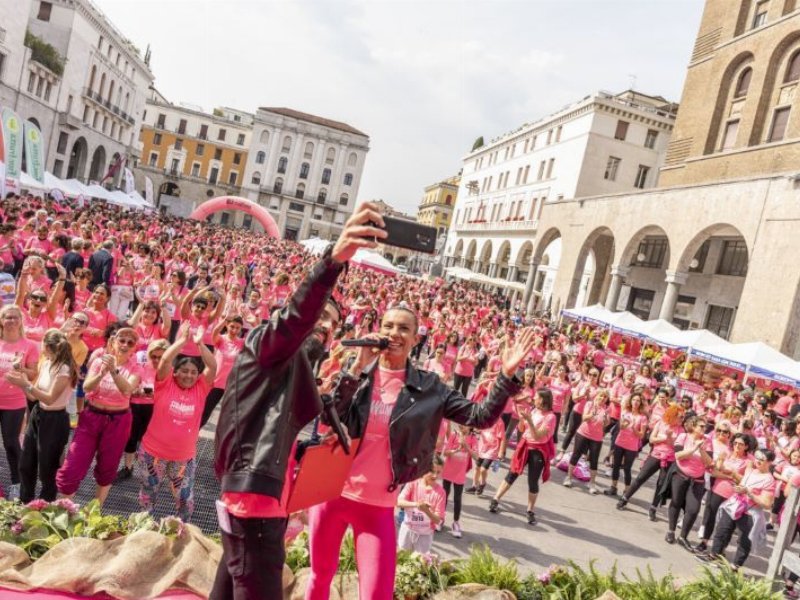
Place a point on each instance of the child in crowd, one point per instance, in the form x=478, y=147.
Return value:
x=423, y=502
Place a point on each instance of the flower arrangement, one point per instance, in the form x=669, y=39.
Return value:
x=38, y=526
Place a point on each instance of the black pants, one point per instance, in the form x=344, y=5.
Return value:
x=461, y=384
x=687, y=494
x=415, y=353
x=650, y=467
x=45, y=438
x=252, y=560
x=535, y=468
x=458, y=490
x=140, y=419
x=623, y=459
x=213, y=398
x=713, y=502
x=583, y=445
x=572, y=428
x=613, y=427
x=511, y=423
x=725, y=529
x=10, y=428
x=555, y=431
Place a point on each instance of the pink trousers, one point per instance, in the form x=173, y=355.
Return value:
x=374, y=534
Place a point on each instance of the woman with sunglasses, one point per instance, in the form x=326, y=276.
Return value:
x=48, y=425
x=195, y=311
x=41, y=310
x=104, y=425
x=435, y=363
x=17, y=353
x=755, y=493
x=99, y=317
x=228, y=344
x=142, y=403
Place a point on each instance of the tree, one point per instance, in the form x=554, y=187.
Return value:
x=478, y=143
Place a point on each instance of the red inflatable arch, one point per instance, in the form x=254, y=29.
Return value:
x=259, y=213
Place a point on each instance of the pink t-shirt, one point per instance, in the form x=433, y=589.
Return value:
x=465, y=368
x=36, y=327
x=97, y=320
x=107, y=394
x=560, y=390
x=592, y=428
x=371, y=473
x=627, y=438
x=617, y=392
x=724, y=487
x=692, y=465
x=758, y=483
x=190, y=348
x=457, y=464
x=489, y=440
x=175, y=425
x=540, y=419
x=225, y=355
x=11, y=396
x=665, y=450
x=433, y=496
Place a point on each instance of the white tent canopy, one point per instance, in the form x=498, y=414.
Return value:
x=689, y=339
x=655, y=330
x=373, y=260
x=627, y=324
x=315, y=245
x=753, y=357
x=98, y=191
x=141, y=202
x=596, y=314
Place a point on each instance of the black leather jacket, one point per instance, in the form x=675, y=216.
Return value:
x=414, y=423
x=271, y=393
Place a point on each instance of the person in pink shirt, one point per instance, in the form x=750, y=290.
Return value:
x=589, y=438
x=151, y=322
x=489, y=441
x=523, y=400
x=435, y=363
x=458, y=452
x=169, y=446
x=561, y=389
x=633, y=425
x=99, y=317
x=227, y=347
x=692, y=458
x=423, y=502
x=582, y=393
x=451, y=349
x=464, y=368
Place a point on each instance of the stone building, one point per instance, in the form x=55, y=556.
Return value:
x=436, y=210
x=77, y=77
x=710, y=246
x=306, y=170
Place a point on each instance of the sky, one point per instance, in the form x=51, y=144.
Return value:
x=423, y=79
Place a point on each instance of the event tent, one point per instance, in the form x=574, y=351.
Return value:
x=627, y=324
x=754, y=358
x=656, y=329
x=315, y=245
x=139, y=200
x=123, y=199
x=597, y=314
x=685, y=340
x=98, y=191
x=372, y=260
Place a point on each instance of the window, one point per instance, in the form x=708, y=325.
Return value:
x=260, y=158
x=2, y=64
x=221, y=135
x=779, y=120
x=760, y=13
x=641, y=177
x=309, y=151
x=525, y=174
x=203, y=132
x=682, y=315
x=218, y=154
x=212, y=177
x=550, y=164
x=58, y=166
x=640, y=302
x=352, y=160
x=650, y=139
x=45, y=8
x=95, y=120
x=247, y=221
x=182, y=127
x=86, y=114
x=558, y=133
x=48, y=88
x=304, y=170
x=622, y=130
x=100, y=43
x=240, y=140
x=793, y=69
x=277, y=187
x=63, y=138
x=542, y=165
x=175, y=166
x=232, y=178
x=322, y=195
x=224, y=218
x=287, y=144
x=195, y=169
x=612, y=166
x=200, y=150
x=652, y=253
x=162, y=118
x=153, y=159
x=178, y=144
x=449, y=200
x=282, y=162
x=344, y=199
x=719, y=320
x=733, y=260
x=237, y=158
x=296, y=206
x=263, y=138
x=39, y=86
x=729, y=136
x=326, y=176
x=31, y=82
x=743, y=83
x=348, y=179
x=549, y=137
x=300, y=191
x=330, y=156
x=698, y=263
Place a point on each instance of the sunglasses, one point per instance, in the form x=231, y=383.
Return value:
x=156, y=357
x=81, y=322
x=39, y=298
x=126, y=341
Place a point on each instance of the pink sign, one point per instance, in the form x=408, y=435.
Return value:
x=259, y=213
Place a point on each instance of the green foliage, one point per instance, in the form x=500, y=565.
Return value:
x=44, y=53
x=412, y=578
x=38, y=526
x=478, y=143
x=347, y=554
x=724, y=583
x=297, y=554
x=481, y=566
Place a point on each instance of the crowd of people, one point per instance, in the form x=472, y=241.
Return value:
x=133, y=323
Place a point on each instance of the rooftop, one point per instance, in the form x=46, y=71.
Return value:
x=301, y=116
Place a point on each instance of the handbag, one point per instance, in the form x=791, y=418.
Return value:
x=321, y=474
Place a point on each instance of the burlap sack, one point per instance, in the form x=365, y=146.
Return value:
x=142, y=565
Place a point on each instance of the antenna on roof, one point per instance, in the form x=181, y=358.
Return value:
x=633, y=82
x=147, y=56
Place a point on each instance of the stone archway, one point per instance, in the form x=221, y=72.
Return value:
x=591, y=281
x=643, y=263
x=97, y=170
x=76, y=168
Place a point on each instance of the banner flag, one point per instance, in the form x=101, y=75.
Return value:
x=34, y=153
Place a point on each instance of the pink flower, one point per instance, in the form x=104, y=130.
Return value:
x=544, y=578
x=67, y=505
x=17, y=528
x=37, y=504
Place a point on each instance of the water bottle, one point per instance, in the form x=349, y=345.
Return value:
x=495, y=466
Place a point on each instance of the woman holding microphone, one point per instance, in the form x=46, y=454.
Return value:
x=396, y=411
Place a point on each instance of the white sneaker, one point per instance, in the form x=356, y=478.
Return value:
x=607, y=471
x=568, y=483
x=455, y=529
x=594, y=491
x=13, y=492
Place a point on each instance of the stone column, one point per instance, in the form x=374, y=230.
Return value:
x=512, y=273
x=674, y=282
x=526, y=297
x=493, y=270
x=618, y=275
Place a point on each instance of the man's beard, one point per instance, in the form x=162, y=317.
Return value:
x=314, y=348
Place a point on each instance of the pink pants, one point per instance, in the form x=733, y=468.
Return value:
x=374, y=532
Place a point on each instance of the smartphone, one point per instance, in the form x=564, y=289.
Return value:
x=409, y=235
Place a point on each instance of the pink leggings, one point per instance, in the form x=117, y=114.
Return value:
x=374, y=531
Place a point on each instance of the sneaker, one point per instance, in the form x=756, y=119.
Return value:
x=471, y=490
x=685, y=544
x=651, y=513
x=610, y=492
x=440, y=526
x=594, y=491
x=531, y=518
x=670, y=537
x=13, y=492
x=479, y=491
x=708, y=557
x=455, y=530
x=770, y=527
x=568, y=483
x=123, y=474
x=494, y=506
x=700, y=548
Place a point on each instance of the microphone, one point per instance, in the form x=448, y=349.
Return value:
x=381, y=343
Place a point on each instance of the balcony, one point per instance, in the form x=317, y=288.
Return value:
x=69, y=121
x=499, y=226
x=106, y=104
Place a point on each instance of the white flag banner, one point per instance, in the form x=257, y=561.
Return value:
x=129, y=184
x=2, y=180
x=148, y=191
